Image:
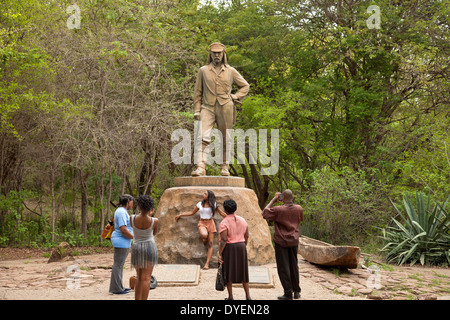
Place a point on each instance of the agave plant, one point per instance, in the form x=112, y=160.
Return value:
x=420, y=234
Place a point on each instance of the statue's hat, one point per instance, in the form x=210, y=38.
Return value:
x=216, y=47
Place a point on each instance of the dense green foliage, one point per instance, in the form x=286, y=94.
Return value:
x=87, y=113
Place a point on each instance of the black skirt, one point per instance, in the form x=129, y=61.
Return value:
x=235, y=263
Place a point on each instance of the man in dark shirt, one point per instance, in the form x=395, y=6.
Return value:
x=286, y=219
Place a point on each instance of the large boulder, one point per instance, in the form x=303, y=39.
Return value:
x=63, y=252
x=180, y=242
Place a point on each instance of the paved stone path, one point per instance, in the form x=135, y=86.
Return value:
x=408, y=283
x=396, y=283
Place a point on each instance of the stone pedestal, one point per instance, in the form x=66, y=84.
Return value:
x=209, y=181
x=180, y=242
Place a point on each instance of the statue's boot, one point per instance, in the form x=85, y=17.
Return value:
x=200, y=171
x=201, y=162
x=224, y=171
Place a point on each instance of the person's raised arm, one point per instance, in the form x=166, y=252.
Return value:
x=186, y=214
x=268, y=213
x=275, y=199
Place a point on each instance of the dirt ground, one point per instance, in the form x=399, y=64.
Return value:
x=30, y=277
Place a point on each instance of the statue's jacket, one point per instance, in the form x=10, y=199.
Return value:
x=212, y=86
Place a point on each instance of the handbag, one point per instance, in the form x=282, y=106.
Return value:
x=109, y=228
x=220, y=281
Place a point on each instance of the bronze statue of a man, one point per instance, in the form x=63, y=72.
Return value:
x=214, y=103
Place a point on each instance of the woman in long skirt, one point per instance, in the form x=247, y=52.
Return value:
x=233, y=231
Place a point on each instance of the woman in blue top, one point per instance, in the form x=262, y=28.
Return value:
x=121, y=240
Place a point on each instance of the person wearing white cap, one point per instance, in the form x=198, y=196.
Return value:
x=214, y=103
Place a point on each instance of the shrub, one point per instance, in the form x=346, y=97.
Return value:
x=420, y=234
x=343, y=207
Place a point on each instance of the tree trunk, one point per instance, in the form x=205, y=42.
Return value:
x=108, y=203
x=84, y=204
x=52, y=187
x=102, y=194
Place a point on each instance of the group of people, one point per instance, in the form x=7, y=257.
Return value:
x=140, y=229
